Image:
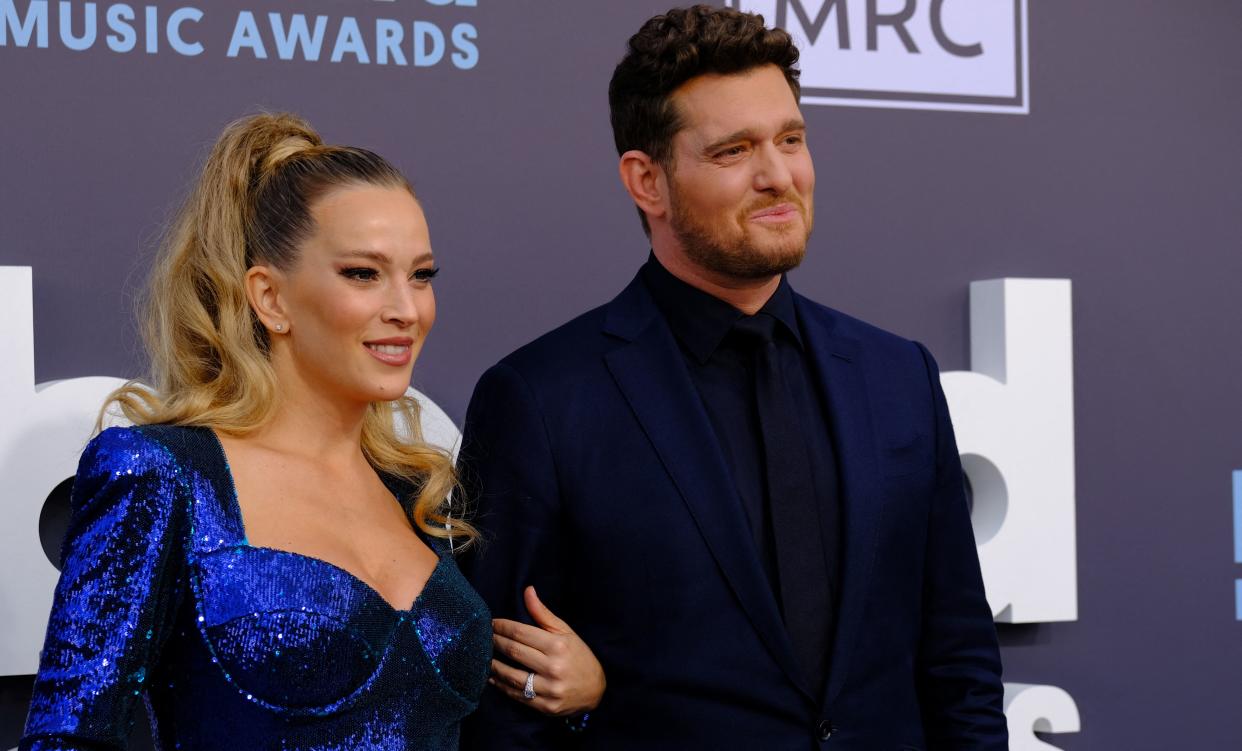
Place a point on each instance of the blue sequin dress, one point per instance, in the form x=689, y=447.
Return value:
x=231, y=646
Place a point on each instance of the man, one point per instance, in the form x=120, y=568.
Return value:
x=750, y=506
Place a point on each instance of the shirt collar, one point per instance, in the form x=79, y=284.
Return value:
x=701, y=322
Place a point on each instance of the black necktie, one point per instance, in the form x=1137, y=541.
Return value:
x=805, y=591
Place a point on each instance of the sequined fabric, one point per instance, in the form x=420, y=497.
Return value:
x=230, y=646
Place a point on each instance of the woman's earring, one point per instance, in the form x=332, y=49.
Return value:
x=280, y=327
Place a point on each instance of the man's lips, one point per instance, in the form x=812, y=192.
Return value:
x=391, y=351
x=781, y=212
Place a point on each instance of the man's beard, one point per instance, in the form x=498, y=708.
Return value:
x=710, y=249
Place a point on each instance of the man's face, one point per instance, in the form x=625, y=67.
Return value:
x=741, y=183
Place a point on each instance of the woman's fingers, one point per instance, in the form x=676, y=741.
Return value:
x=531, y=636
x=568, y=677
x=539, y=703
x=546, y=619
x=512, y=677
x=512, y=682
x=522, y=654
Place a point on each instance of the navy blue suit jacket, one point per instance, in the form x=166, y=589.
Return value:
x=599, y=480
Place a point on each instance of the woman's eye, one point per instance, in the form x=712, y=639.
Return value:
x=361, y=274
x=425, y=275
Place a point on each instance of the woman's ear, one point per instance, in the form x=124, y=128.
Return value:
x=646, y=182
x=263, y=292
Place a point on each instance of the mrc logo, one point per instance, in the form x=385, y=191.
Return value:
x=967, y=55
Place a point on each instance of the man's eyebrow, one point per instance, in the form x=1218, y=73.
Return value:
x=794, y=123
x=748, y=134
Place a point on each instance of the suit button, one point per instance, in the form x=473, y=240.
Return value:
x=824, y=730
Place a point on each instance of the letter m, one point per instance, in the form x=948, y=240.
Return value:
x=813, y=28
x=35, y=23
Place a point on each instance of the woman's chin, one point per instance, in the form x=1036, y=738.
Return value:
x=388, y=392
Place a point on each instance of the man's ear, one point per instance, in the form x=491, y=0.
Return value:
x=263, y=292
x=646, y=182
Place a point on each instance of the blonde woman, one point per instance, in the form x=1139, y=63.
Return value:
x=262, y=559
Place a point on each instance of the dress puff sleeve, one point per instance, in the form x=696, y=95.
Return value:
x=122, y=559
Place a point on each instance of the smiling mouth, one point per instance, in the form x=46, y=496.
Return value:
x=390, y=349
x=783, y=212
x=390, y=354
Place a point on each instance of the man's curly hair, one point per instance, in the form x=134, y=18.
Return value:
x=671, y=49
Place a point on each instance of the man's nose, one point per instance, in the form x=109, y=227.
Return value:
x=771, y=171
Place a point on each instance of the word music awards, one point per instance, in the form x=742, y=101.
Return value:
x=255, y=34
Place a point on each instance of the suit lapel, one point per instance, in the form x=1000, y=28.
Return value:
x=836, y=359
x=650, y=371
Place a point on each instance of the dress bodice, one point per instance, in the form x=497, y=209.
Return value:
x=236, y=646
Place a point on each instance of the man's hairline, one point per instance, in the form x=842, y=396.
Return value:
x=678, y=121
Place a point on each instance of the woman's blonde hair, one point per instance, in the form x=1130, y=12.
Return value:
x=209, y=354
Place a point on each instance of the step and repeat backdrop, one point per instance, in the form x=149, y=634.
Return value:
x=1046, y=194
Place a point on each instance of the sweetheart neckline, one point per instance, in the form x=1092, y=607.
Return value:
x=235, y=508
x=435, y=570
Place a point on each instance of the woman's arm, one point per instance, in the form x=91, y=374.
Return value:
x=115, y=597
x=568, y=679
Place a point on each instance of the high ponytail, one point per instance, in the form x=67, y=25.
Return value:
x=209, y=354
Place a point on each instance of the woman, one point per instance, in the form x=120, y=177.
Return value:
x=262, y=558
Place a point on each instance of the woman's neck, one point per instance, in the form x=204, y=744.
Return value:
x=310, y=423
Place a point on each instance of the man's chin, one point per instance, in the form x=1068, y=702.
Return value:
x=776, y=264
x=752, y=254
x=779, y=255
x=759, y=264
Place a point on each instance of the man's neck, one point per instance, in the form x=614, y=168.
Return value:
x=747, y=295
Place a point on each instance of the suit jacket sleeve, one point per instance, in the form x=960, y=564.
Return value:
x=508, y=469
x=959, y=669
x=116, y=596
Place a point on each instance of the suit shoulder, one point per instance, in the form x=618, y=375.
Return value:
x=562, y=349
x=869, y=336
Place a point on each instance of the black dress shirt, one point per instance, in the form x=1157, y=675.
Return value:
x=720, y=368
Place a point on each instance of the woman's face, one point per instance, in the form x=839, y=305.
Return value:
x=358, y=301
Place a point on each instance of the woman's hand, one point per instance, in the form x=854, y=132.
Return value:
x=568, y=678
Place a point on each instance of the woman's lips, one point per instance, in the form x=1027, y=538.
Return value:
x=391, y=351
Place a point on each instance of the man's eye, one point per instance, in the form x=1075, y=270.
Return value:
x=732, y=151
x=360, y=273
x=425, y=275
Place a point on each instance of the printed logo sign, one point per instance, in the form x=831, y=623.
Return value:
x=276, y=34
x=911, y=54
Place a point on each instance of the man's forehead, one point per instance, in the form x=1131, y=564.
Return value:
x=713, y=105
